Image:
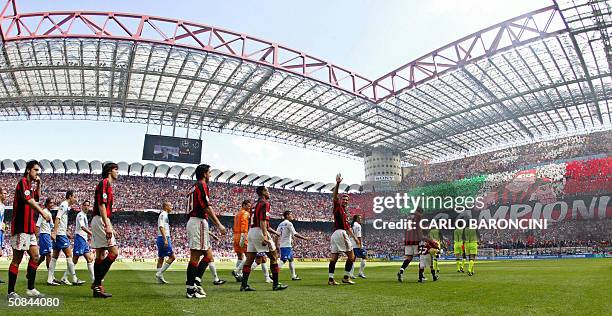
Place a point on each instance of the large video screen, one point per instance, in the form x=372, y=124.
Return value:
x=172, y=149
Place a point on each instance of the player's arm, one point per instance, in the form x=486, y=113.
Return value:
x=56, y=223
x=244, y=229
x=31, y=200
x=273, y=232
x=263, y=223
x=105, y=220
x=162, y=230
x=37, y=228
x=302, y=237
x=215, y=220
x=337, y=187
x=85, y=228
x=298, y=235
x=350, y=233
x=214, y=236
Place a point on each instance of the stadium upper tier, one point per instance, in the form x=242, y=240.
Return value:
x=543, y=73
x=175, y=172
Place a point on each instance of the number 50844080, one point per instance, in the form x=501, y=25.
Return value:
x=34, y=302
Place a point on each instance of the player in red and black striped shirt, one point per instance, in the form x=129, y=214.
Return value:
x=23, y=237
x=411, y=241
x=103, y=235
x=198, y=232
x=340, y=240
x=259, y=240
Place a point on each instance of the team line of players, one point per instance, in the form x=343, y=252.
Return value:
x=253, y=240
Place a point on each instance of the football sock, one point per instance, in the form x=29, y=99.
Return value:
x=332, y=269
x=31, y=274
x=213, y=270
x=264, y=268
x=90, y=268
x=51, y=272
x=12, y=273
x=292, y=269
x=471, y=266
x=246, y=270
x=275, y=271
x=362, y=266
x=164, y=267
x=192, y=270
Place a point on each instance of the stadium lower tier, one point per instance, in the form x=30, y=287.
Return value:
x=136, y=234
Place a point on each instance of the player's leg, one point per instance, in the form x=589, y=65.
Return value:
x=362, y=265
x=237, y=273
x=192, y=274
x=1, y=247
x=422, y=265
x=472, y=251
x=51, y=272
x=213, y=271
x=90, y=264
x=463, y=257
x=70, y=268
x=435, y=263
x=471, y=265
x=431, y=259
x=348, y=266
x=165, y=265
x=457, y=250
x=111, y=255
x=246, y=271
x=356, y=253
x=14, y=270
x=160, y=262
x=276, y=286
x=203, y=264
x=409, y=252
x=332, y=268
x=264, y=268
x=31, y=272
x=294, y=276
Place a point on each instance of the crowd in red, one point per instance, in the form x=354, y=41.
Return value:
x=510, y=159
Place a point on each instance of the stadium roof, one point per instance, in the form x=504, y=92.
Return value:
x=175, y=172
x=546, y=73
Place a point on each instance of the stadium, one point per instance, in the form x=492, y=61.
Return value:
x=515, y=116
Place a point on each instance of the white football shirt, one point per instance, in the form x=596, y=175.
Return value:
x=44, y=226
x=356, y=233
x=287, y=231
x=162, y=221
x=62, y=214
x=81, y=221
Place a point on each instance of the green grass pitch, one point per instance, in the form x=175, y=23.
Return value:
x=569, y=286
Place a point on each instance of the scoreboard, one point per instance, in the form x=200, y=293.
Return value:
x=172, y=149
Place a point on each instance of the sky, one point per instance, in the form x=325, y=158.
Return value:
x=368, y=37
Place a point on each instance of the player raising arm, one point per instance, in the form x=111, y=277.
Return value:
x=340, y=240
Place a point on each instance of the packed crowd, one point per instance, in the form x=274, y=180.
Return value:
x=545, y=184
x=511, y=158
x=148, y=193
